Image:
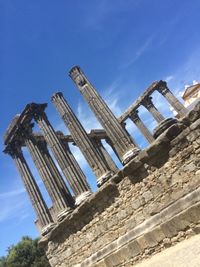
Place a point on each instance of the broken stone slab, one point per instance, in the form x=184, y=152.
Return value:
x=163, y=126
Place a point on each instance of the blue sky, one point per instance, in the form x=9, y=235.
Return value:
x=121, y=45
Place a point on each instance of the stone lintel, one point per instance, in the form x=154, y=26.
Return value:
x=25, y=117
x=97, y=133
x=154, y=86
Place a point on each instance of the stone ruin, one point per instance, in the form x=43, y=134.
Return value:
x=151, y=203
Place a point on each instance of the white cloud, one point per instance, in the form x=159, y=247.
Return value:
x=12, y=193
x=14, y=204
x=86, y=117
x=144, y=47
x=169, y=78
x=187, y=73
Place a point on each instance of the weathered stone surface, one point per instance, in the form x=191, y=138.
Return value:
x=152, y=212
x=149, y=205
x=121, y=140
x=163, y=126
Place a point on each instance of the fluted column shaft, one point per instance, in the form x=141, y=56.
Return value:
x=141, y=126
x=121, y=141
x=109, y=142
x=32, y=189
x=148, y=104
x=76, y=178
x=55, y=172
x=173, y=101
x=39, y=155
x=104, y=154
x=97, y=163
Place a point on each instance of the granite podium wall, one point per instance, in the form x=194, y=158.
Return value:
x=149, y=205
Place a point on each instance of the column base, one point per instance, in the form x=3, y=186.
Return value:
x=164, y=125
x=63, y=214
x=105, y=177
x=82, y=197
x=129, y=155
x=47, y=229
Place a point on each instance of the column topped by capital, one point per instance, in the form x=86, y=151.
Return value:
x=147, y=102
x=134, y=115
x=78, y=76
x=57, y=94
x=162, y=88
x=13, y=149
x=36, y=110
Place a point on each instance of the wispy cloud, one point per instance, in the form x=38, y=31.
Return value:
x=12, y=193
x=14, y=204
x=169, y=78
x=135, y=55
x=187, y=72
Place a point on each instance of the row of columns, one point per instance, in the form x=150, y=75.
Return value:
x=61, y=198
x=124, y=146
x=38, y=203
x=94, y=152
x=148, y=104
x=53, y=181
x=123, y=143
x=95, y=159
x=70, y=169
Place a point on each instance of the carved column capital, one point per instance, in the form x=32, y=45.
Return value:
x=42, y=145
x=163, y=89
x=37, y=110
x=77, y=76
x=147, y=102
x=13, y=149
x=25, y=131
x=38, y=115
x=56, y=96
x=134, y=116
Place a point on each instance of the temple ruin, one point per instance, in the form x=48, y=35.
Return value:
x=136, y=209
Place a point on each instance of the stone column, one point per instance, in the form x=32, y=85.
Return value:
x=139, y=123
x=123, y=144
x=104, y=154
x=98, y=165
x=109, y=142
x=54, y=184
x=32, y=189
x=147, y=103
x=70, y=155
x=74, y=174
x=173, y=101
x=54, y=170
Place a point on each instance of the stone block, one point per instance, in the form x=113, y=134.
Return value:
x=134, y=248
x=142, y=243
x=158, y=146
x=150, y=239
x=194, y=114
x=169, y=229
x=113, y=260
x=136, y=204
x=130, y=223
x=195, y=125
x=194, y=214
x=122, y=214
x=147, y=196
x=192, y=136
x=165, y=128
x=156, y=190
x=158, y=234
x=139, y=217
x=100, y=264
